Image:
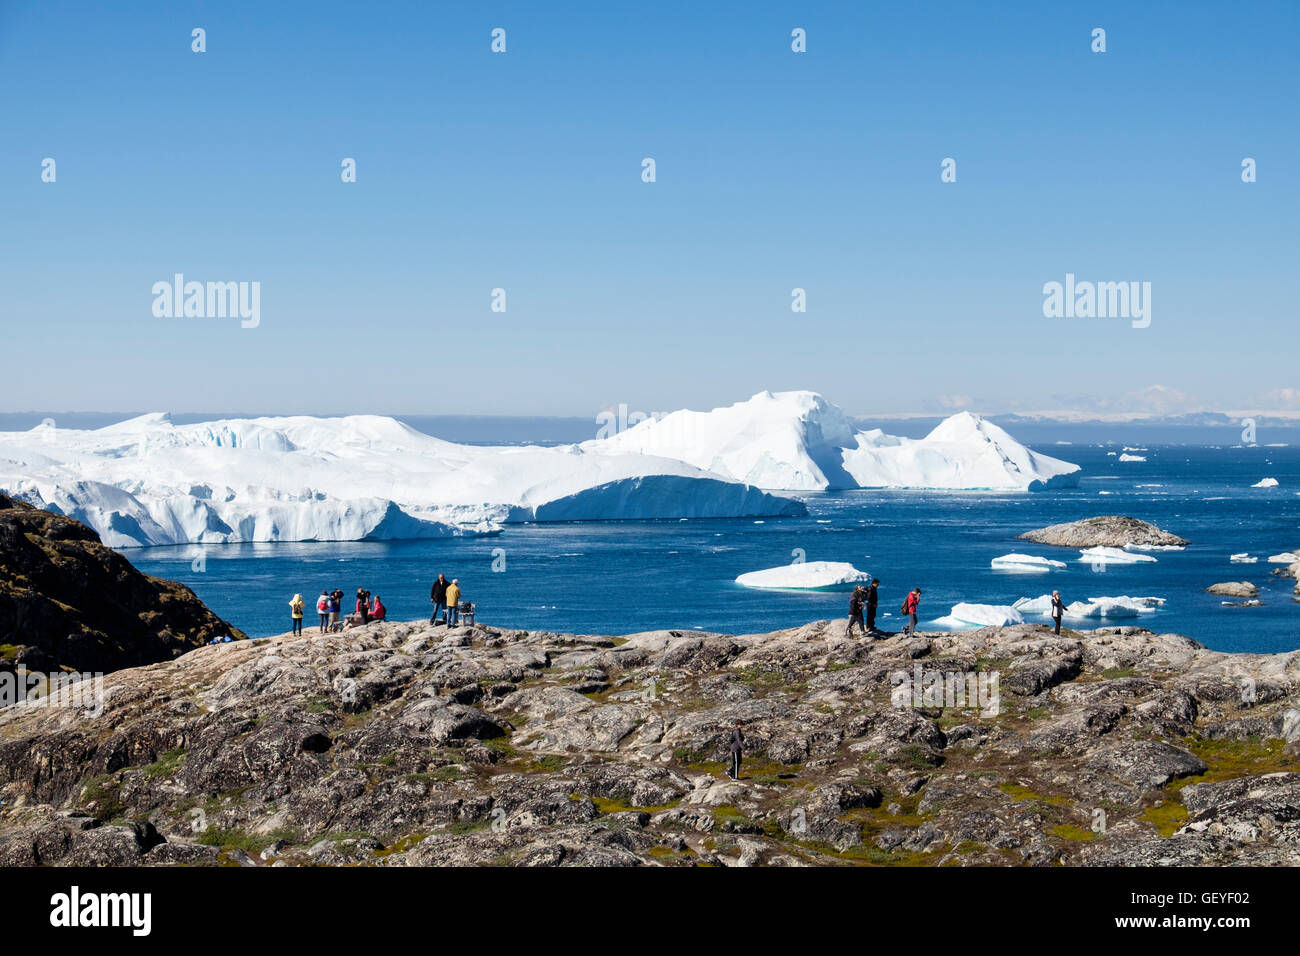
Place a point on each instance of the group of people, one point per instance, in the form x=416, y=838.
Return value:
x=330, y=605
x=445, y=596
x=866, y=598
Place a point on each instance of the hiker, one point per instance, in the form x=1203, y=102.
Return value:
x=910, y=604
x=295, y=608
x=377, y=610
x=856, y=603
x=336, y=608
x=363, y=608
x=438, y=595
x=1058, y=611
x=872, y=595
x=323, y=610
x=737, y=748
x=453, y=602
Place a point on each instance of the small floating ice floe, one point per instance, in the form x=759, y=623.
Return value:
x=1101, y=555
x=1025, y=563
x=981, y=615
x=1265, y=483
x=806, y=576
x=1242, y=558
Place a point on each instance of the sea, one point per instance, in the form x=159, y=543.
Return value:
x=622, y=577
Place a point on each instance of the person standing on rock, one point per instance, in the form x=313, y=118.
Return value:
x=323, y=610
x=438, y=595
x=363, y=605
x=872, y=596
x=295, y=609
x=910, y=604
x=1058, y=611
x=737, y=748
x=453, y=602
x=336, y=607
x=856, y=604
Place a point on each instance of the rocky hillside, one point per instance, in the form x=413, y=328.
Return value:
x=67, y=601
x=402, y=743
x=1104, y=531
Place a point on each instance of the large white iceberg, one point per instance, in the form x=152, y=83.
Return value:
x=1111, y=607
x=981, y=615
x=798, y=441
x=1025, y=563
x=147, y=481
x=806, y=576
x=1265, y=483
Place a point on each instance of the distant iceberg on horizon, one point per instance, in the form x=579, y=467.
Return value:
x=148, y=481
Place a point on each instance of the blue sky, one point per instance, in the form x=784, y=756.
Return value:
x=522, y=171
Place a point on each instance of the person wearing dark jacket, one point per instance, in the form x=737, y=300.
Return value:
x=1058, y=611
x=872, y=595
x=856, y=604
x=438, y=595
x=737, y=748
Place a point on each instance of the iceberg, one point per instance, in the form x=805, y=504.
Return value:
x=1286, y=557
x=1025, y=563
x=147, y=482
x=798, y=441
x=1127, y=457
x=1265, y=483
x=1242, y=558
x=981, y=615
x=1111, y=607
x=806, y=576
x=1101, y=555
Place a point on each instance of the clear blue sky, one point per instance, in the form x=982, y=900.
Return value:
x=523, y=171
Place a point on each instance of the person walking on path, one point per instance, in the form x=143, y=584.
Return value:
x=295, y=608
x=737, y=748
x=453, y=602
x=1058, y=611
x=323, y=610
x=872, y=595
x=856, y=604
x=438, y=596
x=910, y=604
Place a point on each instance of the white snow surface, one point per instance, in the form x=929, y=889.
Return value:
x=981, y=615
x=1112, y=607
x=147, y=481
x=806, y=575
x=798, y=441
x=1025, y=563
x=1101, y=555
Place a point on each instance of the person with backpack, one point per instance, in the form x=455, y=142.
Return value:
x=323, y=610
x=737, y=748
x=336, y=608
x=453, y=602
x=1058, y=611
x=438, y=597
x=856, y=602
x=910, y=604
x=363, y=605
x=872, y=596
x=295, y=608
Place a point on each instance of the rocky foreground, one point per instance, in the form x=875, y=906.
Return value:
x=407, y=744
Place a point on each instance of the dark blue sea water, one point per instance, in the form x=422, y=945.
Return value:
x=622, y=577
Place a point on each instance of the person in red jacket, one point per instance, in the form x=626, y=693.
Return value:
x=377, y=610
x=910, y=604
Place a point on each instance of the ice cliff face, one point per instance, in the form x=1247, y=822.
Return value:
x=148, y=481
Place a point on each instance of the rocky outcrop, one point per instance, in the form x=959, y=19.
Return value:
x=1104, y=531
x=408, y=744
x=69, y=602
x=1240, y=589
